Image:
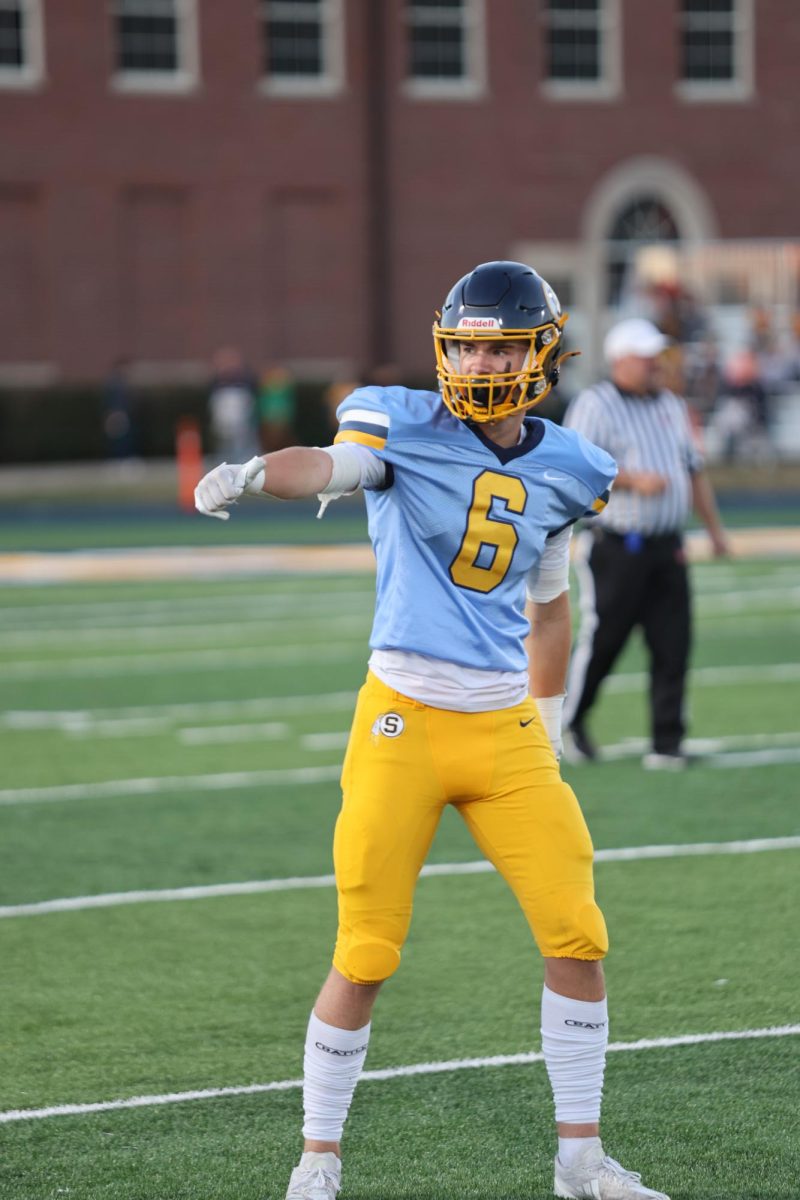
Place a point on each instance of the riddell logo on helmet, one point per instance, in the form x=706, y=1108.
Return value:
x=479, y=323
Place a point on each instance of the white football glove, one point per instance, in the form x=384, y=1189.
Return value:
x=225, y=484
x=550, y=712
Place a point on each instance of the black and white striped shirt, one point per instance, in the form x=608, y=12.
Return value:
x=643, y=433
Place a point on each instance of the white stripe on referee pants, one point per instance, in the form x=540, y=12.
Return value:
x=587, y=606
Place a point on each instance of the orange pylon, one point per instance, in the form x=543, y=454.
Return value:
x=189, y=460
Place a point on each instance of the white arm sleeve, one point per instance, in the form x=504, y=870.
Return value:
x=550, y=577
x=354, y=467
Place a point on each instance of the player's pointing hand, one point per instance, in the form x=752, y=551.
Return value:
x=224, y=485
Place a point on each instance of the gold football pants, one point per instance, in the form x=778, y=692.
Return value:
x=405, y=761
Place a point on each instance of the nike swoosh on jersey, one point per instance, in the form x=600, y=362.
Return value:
x=525, y=723
x=555, y=478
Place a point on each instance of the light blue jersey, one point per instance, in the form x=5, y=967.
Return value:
x=461, y=521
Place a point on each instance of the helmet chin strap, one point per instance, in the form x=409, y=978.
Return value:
x=563, y=357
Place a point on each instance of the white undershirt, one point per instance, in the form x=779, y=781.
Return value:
x=444, y=684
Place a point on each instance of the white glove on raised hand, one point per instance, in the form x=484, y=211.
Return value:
x=225, y=484
x=550, y=712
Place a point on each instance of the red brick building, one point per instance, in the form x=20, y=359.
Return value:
x=305, y=178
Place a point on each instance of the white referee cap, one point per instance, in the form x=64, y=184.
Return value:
x=634, y=336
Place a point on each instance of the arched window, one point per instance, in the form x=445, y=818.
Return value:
x=641, y=222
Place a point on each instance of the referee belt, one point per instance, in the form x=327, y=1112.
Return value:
x=646, y=539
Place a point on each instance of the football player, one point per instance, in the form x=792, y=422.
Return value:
x=471, y=499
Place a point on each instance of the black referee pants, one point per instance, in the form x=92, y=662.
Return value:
x=629, y=581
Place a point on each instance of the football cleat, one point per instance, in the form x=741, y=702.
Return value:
x=578, y=746
x=595, y=1176
x=316, y=1177
x=668, y=760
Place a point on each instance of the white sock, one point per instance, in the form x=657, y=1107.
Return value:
x=312, y=1160
x=331, y=1066
x=574, y=1040
x=570, y=1149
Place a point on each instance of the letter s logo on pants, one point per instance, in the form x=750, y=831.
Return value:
x=390, y=724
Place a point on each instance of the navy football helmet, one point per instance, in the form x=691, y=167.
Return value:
x=497, y=302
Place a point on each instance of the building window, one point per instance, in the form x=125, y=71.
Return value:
x=12, y=45
x=302, y=46
x=581, y=48
x=641, y=222
x=444, y=48
x=20, y=43
x=715, y=48
x=155, y=44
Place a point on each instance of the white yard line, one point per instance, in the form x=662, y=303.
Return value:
x=185, y=660
x=706, y=603
x=388, y=1073
x=714, y=576
x=125, y=728
x=107, y=789
x=73, y=718
x=755, y=758
x=633, y=747
x=788, y=672
x=325, y=741
x=258, y=604
x=718, y=629
x=692, y=849
x=432, y=870
x=203, y=735
x=237, y=629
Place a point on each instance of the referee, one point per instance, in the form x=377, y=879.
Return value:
x=631, y=567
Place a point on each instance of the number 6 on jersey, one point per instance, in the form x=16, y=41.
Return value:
x=483, y=530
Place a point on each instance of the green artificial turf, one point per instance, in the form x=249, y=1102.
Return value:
x=106, y=683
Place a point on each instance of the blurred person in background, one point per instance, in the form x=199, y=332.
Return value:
x=740, y=420
x=676, y=311
x=337, y=391
x=776, y=345
x=118, y=413
x=793, y=350
x=383, y=375
x=703, y=379
x=277, y=406
x=471, y=499
x=631, y=566
x=232, y=406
